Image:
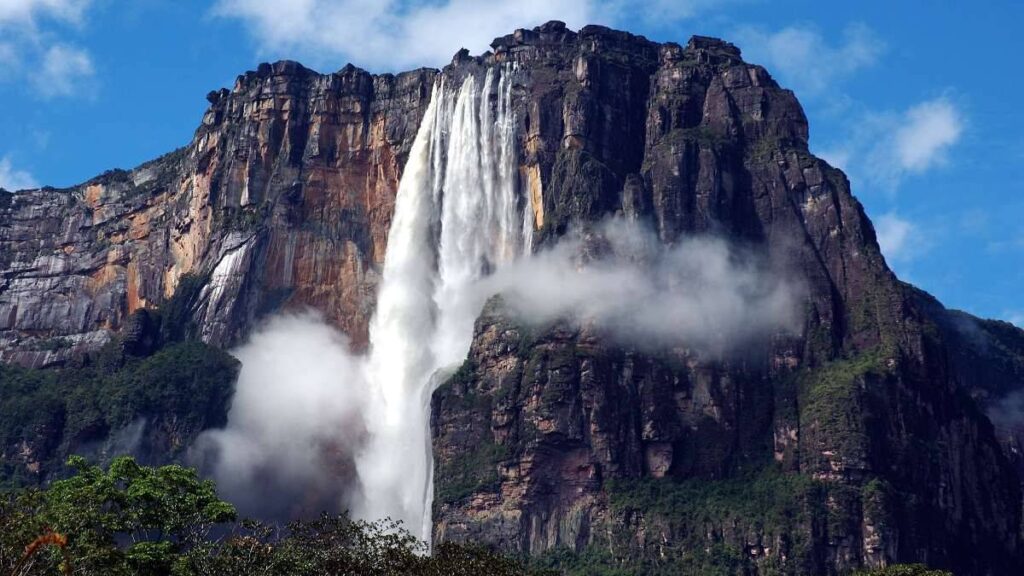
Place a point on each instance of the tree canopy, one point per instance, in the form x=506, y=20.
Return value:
x=130, y=519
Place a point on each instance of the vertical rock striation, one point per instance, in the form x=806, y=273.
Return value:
x=848, y=445
x=860, y=441
x=283, y=198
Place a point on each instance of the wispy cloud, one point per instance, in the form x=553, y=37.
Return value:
x=8, y=61
x=12, y=179
x=30, y=12
x=65, y=71
x=927, y=131
x=805, y=60
x=1009, y=241
x=391, y=35
x=654, y=14
x=32, y=31
x=909, y=143
x=882, y=149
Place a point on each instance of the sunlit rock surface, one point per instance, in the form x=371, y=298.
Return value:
x=282, y=199
x=860, y=441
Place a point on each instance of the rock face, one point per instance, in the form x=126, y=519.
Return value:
x=283, y=198
x=861, y=441
x=851, y=444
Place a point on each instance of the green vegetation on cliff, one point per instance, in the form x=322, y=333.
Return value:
x=701, y=526
x=48, y=414
x=760, y=523
x=905, y=570
x=150, y=390
x=470, y=473
x=831, y=406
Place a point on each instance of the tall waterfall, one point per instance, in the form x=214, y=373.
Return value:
x=459, y=215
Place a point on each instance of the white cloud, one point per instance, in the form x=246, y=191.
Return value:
x=898, y=145
x=390, y=34
x=12, y=179
x=805, y=60
x=882, y=149
x=32, y=31
x=929, y=129
x=65, y=71
x=386, y=33
x=29, y=12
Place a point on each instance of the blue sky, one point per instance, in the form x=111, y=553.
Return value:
x=920, y=105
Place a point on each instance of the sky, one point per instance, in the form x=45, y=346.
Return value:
x=919, y=104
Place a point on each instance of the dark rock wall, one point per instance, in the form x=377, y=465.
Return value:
x=859, y=441
x=866, y=405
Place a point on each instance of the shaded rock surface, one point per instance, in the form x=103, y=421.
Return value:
x=854, y=443
x=863, y=440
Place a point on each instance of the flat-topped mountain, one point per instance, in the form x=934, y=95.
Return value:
x=859, y=439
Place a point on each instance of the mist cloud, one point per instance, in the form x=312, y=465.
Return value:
x=702, y=292
x=305, y=421
x=295, y=422
x=1007, y=413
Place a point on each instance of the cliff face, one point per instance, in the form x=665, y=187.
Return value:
x=283, y=198
x=861, y=440
x=850, y=444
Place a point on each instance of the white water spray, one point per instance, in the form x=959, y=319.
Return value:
x=306, y=406
x=459, y=215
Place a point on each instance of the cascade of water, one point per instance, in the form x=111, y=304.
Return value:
x=456, y=220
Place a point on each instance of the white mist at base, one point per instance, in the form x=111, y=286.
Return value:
x=294, y=424
x=309, y=416
x=305, y=408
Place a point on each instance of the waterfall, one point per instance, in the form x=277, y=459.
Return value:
x=459, y=215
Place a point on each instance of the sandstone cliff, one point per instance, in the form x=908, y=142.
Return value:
x=852, y=444
x=283, y=198
x=862, y=440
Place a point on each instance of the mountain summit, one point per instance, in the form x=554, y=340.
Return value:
x=863, y=436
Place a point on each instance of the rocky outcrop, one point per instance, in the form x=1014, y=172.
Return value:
x=859, y=441
x=282, y=199
x=851, y=444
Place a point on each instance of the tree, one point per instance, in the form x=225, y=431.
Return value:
x=137, y=520
x=128, y=519
x=905, y=570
